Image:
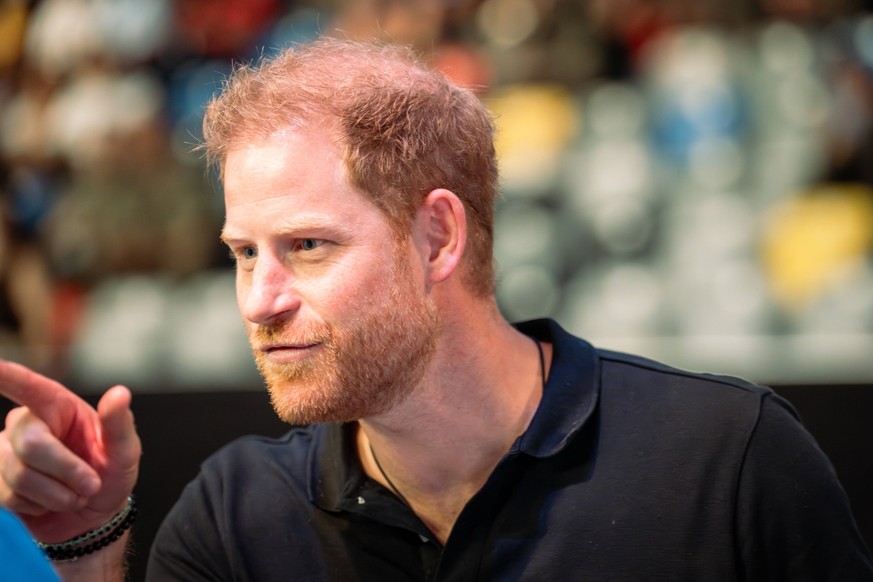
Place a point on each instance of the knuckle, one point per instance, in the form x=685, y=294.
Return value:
x=30, y=443
x=29, y=492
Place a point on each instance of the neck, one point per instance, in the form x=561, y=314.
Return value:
x=438, y=447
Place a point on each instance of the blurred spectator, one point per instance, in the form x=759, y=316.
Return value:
x=25, y=297
x=851, y=78
x=13, y=20
x=133, y=209
x=628, y=27
x=224, y=28
x=413, y=22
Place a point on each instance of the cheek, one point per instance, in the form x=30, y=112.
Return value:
x=339, y=298
x=352, y=292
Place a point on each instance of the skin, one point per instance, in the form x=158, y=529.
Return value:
x=308, y=248
x=67, y=467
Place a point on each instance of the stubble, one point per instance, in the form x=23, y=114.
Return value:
x=363, y=366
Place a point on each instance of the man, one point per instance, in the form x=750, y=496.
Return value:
x=435, y=441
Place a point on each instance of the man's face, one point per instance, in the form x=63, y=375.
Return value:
x=335, y=309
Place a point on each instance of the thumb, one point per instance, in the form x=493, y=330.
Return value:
x=120, y=440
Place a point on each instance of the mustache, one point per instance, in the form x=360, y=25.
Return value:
x=281, y=332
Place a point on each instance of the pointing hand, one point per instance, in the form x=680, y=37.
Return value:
x=65, y=467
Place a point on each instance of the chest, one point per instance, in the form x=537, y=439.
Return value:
x=555, y=521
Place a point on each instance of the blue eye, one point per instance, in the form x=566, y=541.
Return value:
x=249, y=253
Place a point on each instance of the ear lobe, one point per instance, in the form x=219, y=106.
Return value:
x=443, y=223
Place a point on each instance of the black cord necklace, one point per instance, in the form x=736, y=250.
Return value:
x=382, y=472
x=387, y=480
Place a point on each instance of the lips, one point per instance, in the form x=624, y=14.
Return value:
x=275, y=347
x=287, y=353
x=278, y=343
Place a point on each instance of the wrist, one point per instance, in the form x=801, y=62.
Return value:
x=94, y=540
x=107, y=565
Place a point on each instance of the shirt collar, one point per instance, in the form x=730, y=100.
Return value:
x=570, y=394
x=333, y=467
x=336, y=478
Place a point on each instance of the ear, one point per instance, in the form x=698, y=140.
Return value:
x=441, y=233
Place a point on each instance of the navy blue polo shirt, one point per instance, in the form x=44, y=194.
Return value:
x=629, y=470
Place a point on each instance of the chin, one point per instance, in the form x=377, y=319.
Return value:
x=301, y=403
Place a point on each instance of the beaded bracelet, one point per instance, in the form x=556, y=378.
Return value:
x=104, y=535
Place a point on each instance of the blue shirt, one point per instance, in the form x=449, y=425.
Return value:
x=20, y=559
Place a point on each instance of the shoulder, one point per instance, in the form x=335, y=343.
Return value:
x=212, y=526
x=622, y=367
x=262, y=460
x=256, y=448
x=577, y=361
x=707, y=403
x=634, y=396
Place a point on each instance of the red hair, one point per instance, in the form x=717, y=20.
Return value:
x=405, y=129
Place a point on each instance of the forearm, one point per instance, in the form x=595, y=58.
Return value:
x=107, y=565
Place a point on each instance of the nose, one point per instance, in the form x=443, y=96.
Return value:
x=267, y=292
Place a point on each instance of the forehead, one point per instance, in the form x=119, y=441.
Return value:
x=291, y=172
x=294, y=152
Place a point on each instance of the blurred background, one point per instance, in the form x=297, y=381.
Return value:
x=687, y=179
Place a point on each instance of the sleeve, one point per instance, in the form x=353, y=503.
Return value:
x=19, y=556
x=189, y=544
x=793, y=517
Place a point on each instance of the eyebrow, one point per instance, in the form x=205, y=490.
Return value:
x=292, y=228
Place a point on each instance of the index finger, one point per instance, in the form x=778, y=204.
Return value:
x=27, y=388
